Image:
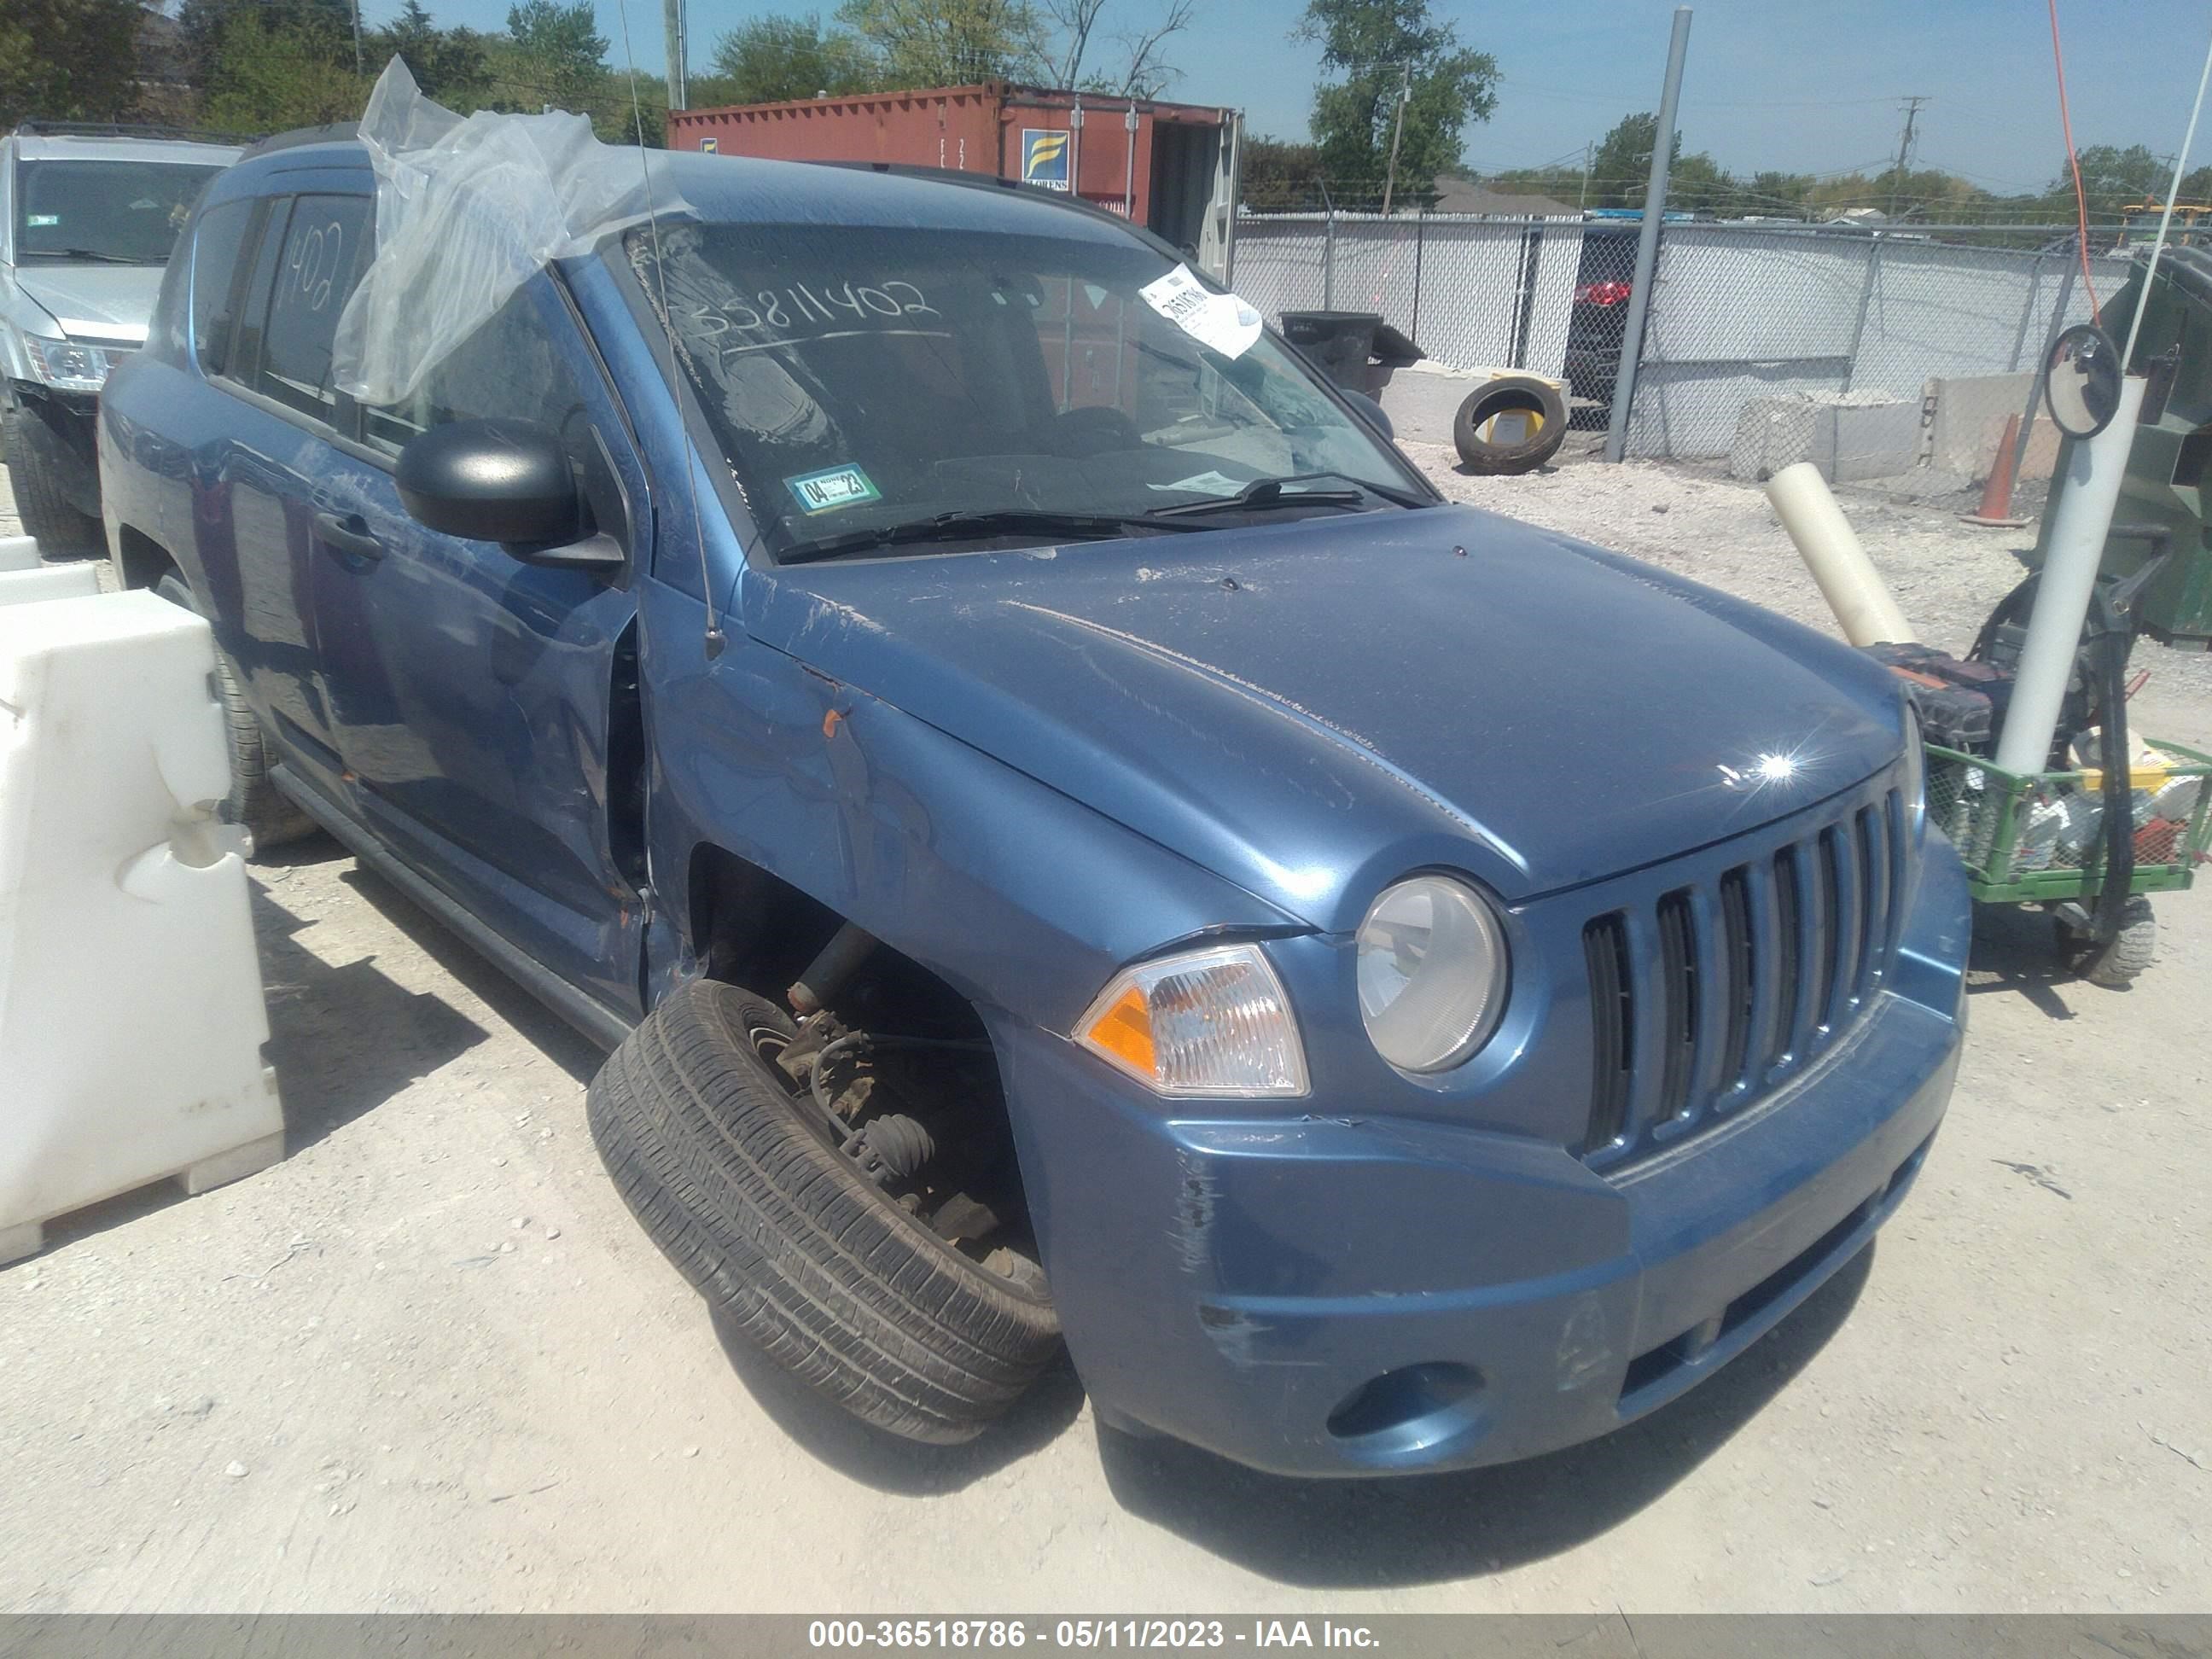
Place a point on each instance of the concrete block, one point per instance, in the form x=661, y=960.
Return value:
x=49, y=581
x=1968, y=419
x=132, y=1020
x=18, y=553
x=1848, y=435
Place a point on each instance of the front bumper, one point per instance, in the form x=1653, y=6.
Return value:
x=1243, y=1282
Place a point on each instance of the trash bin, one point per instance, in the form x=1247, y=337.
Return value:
x=1339, y=342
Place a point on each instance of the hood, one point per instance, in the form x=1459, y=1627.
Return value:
x=1312, y=708
x=98, y=302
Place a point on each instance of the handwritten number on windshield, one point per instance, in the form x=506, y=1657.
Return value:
x=802, y=307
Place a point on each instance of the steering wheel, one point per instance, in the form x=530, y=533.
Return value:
x=1092, y=430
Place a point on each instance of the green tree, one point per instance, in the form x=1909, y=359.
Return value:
x=2112, y=178
x=1621, y=172
x=322, y=27
x=554, y=54
x=770, y=59
x=1381, y=48
x=1281, y=176
x=937, y=43
x=272, y=72
x=449, y=64
x=1139, y=68
x=67, y=59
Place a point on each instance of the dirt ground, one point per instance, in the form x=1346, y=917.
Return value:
x=428, y=1362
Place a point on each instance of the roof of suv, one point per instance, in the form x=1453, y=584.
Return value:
x=745, y=189
x=106, y=147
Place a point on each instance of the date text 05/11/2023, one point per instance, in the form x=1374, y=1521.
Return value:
x=1086, y=1633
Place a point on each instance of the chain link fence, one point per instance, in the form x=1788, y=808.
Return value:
x=1875, y=352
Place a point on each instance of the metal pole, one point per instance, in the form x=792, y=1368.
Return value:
x=2027, y=313
x=1647, y=244
x=357, y=69
x=671, y=25
x=1397, y=132
x=1328, y=250
x=1075, y=151
x=1129, y=171
x=1420, y=226
x=2042, y=364
x=1866, y=299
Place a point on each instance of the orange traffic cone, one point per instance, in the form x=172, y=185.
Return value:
x=1997, y=491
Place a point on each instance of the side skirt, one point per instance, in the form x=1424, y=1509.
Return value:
x=601, y=1023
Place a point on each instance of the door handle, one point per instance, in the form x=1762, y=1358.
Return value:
x=348, y=535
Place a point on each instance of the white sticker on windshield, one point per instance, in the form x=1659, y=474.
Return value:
x=41, y=221
x=1221, y=322
x=1203, y=483
x=840, y=486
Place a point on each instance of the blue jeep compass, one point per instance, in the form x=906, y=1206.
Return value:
x=1067, y=837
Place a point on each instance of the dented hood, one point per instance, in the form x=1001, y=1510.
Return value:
x=1310, y=708
x=96, y=302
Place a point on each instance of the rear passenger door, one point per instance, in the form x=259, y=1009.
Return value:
x=266, y=340
x=485, y=708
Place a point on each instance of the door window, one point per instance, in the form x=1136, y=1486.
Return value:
x=217, y=246
x=317, y=263
x=508, y=369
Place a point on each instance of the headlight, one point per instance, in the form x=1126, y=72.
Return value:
x=1913, y=781
x=67, y=365
x=1433, y=973
x=1212, y=1021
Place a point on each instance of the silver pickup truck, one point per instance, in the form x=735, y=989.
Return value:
x=87, y=217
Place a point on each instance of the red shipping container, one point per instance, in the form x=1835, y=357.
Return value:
x=1171, y=168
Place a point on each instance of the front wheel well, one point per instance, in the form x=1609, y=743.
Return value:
x=142, y=560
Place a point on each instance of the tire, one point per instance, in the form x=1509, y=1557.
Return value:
x=785, y=1237
x=254, y=804
x=1508, y=394
x=2122, y=960
x=48, y=519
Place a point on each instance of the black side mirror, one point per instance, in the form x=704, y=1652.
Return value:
x=1374, y=412
x=508, y=482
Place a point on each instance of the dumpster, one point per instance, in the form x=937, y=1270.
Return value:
x=2163, y=498
x=1338, y=343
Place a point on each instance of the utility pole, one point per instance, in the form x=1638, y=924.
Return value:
x=1647, y=241
x=1585, y=203
x=1398, y=132
x=671, y=18
x=357, y=69
x=1913, y=104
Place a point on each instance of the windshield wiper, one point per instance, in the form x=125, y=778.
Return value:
x=995, y=521
x=91, y=255
x=1264, y=494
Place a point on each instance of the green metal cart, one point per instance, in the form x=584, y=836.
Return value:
x=2039, y=839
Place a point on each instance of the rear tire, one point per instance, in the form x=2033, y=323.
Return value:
x=1546, y=427
x=48, y=519
x=2123, y=959
x=782, y=1234
x=254, y=804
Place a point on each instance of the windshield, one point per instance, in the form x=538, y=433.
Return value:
x=104, y=212
x=858, y=377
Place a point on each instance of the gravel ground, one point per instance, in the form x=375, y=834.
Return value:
x=428, y=1362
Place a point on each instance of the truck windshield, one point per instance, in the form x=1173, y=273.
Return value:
x=959, y=386
x=124, y=213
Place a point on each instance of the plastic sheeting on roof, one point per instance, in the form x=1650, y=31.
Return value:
x=467, y=210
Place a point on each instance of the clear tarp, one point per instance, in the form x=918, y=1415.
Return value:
x=467, y=210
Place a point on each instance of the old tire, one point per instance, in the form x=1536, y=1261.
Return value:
x=255, y=803
x=783, y=1234
x=1535, y=412
x=2126, y=957
x=48, y=519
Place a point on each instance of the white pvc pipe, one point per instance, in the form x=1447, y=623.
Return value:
x=1832, y=552
x=2094, y=470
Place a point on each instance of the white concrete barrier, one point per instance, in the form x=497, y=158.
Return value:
x=48, y=581
x=131, y=1019
x=18, y=553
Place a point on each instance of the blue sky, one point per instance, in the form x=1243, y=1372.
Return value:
x=1809, y=88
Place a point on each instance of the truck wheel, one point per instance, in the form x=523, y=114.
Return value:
x=255, y=803
x=2122, y=960
x=48, y=519
x=1514, y=425
x=723, y=1165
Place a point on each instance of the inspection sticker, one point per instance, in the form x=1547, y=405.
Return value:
x=1222, y=321
x=840, y=486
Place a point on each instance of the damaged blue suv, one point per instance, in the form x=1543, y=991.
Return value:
x=1069, y=840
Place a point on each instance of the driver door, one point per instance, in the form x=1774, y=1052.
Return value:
x=485, y=708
